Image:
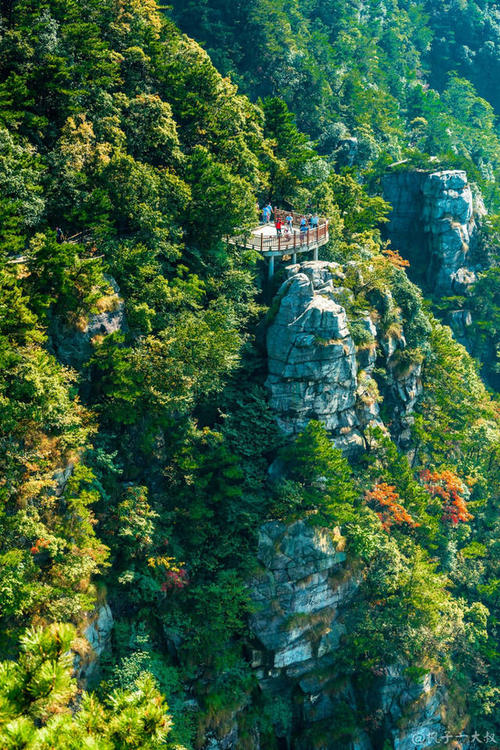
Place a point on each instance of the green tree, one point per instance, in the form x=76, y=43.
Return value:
x=37, y=695
x=324, y=475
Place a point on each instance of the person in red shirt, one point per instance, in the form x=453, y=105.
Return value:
x=279, y=226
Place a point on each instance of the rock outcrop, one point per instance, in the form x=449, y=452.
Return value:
x=312, y=357
x=298, y=600
x=97, y=635
x=433, y=224
x=316, y=371
x=299, y=578
x=413, y=711
x=73, y=346
x=300, y=596
x=450, y=227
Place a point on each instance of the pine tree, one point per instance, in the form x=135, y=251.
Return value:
x=323, y=474
x=40, y=705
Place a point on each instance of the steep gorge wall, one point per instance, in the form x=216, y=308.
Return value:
x=433, y=224
x=305, y=583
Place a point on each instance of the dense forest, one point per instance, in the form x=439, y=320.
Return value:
x=140, y=453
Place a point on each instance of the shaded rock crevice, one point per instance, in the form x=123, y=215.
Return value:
x=73, y=345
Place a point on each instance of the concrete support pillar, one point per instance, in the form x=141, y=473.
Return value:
x=294, y=258
x=271, y=267
x=315, y=253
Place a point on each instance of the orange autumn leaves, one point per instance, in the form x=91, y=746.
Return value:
x=451, y=490
x=395, y=258
x=385, y=499
x=444, y=484
x=39, y=544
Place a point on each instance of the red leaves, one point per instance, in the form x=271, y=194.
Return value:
x=175, y=573
x=175, y=579
x=450, y=488
x=445, y=485
x=385, y=500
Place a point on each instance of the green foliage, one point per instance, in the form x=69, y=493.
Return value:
x=360, y=211
x=214, y=189
x=292, y=163
x=388, y=80
x=485, y=303
x=135, y=521
x=402, y=607
x=61, y=280
x=324, y=475
x=457, y=418
x=409, y=300
x=120, y=130
x=165, y=374
x=36, y=695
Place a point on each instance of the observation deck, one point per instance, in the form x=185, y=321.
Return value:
x=290, y=243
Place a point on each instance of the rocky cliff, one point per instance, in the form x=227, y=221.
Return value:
x=93, y=640
x=300, y=595
x=317, y=371
x=324, y=352
x=434, y=223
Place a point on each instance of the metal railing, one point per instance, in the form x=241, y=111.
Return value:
x=288, y=242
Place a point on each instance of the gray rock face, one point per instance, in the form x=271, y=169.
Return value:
x=299, y=562
x=404, y=192
x=98, y=634
x=421, y=705
x=460, y=320
x=312, y=357
x=433, y=224
x=449, y=223
x=227, y=742
x=99, y=630
x=74, y=346
x=462, y=280
x=299, y=600
x=317, y=372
